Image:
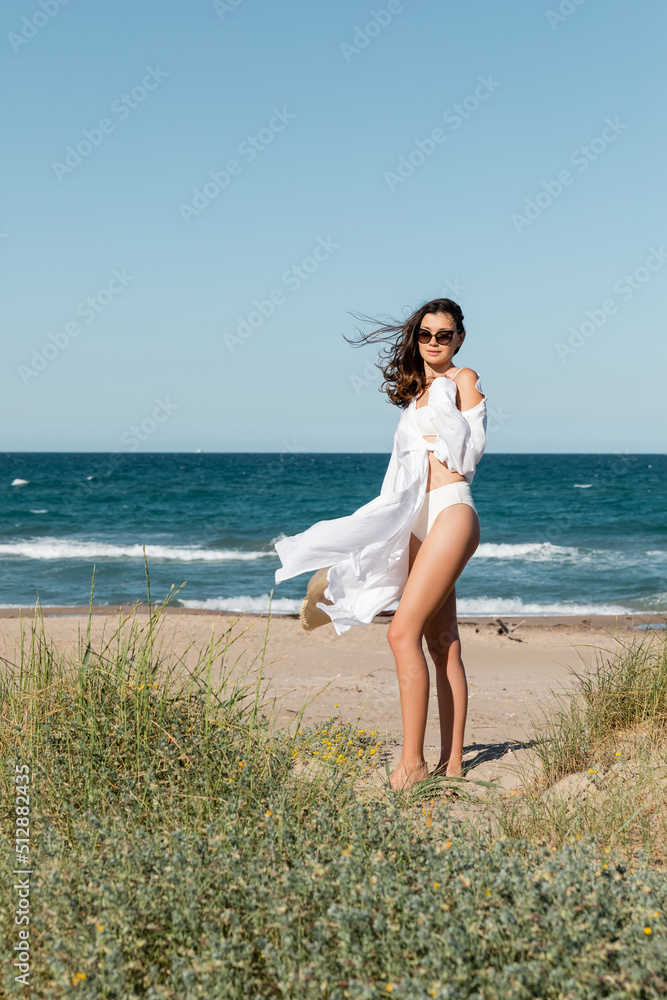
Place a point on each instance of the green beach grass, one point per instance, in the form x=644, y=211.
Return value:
x=602, y=752
x=184, y=846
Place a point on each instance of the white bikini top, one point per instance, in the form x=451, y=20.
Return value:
x=424, y=420
x=425, y=423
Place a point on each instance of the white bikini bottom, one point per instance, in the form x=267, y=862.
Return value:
x=435, y=501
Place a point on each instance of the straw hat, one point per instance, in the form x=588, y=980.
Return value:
x=310, y=616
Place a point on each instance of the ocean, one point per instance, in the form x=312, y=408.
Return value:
x=561, y=534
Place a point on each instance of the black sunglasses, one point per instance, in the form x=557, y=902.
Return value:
x=443, y=338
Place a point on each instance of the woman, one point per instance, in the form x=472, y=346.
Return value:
x=413, y=541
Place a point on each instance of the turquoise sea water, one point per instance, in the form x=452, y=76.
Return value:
x=561, y=534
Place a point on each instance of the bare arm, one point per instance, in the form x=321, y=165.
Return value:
x=467, y=395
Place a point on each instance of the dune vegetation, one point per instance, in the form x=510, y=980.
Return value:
x=184, y=846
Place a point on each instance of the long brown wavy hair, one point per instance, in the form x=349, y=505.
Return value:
x=403, y=370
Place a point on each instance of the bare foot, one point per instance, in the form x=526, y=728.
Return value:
x=404, y=777
x=448, y=769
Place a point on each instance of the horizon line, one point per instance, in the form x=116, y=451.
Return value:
x=8, y=452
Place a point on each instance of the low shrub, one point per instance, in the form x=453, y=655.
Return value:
x=185, y=847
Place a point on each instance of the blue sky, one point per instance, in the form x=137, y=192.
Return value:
x=368, y=158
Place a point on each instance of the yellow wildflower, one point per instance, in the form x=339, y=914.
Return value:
x=647, y=930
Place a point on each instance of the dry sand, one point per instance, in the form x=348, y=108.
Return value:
x=353, y=675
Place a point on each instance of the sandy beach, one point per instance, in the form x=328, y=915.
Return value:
x=510, y=679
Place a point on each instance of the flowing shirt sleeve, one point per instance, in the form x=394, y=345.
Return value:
x=367, y=552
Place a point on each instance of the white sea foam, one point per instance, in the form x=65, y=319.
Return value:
x=531, y=551
x=71, y=548
x=256, y=605
x=515, y=606
x=484, y=606
x=20, y=482
x=38, y=511
x=658, y=599
x=546, y=552
x=583, y=486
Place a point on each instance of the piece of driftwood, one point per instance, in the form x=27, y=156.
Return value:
x=508, y=630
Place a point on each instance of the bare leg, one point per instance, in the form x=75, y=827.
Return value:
x=414, y=700
x=444, y=645
x=436, y=566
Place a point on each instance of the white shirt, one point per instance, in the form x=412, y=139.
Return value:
x=368, y=550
